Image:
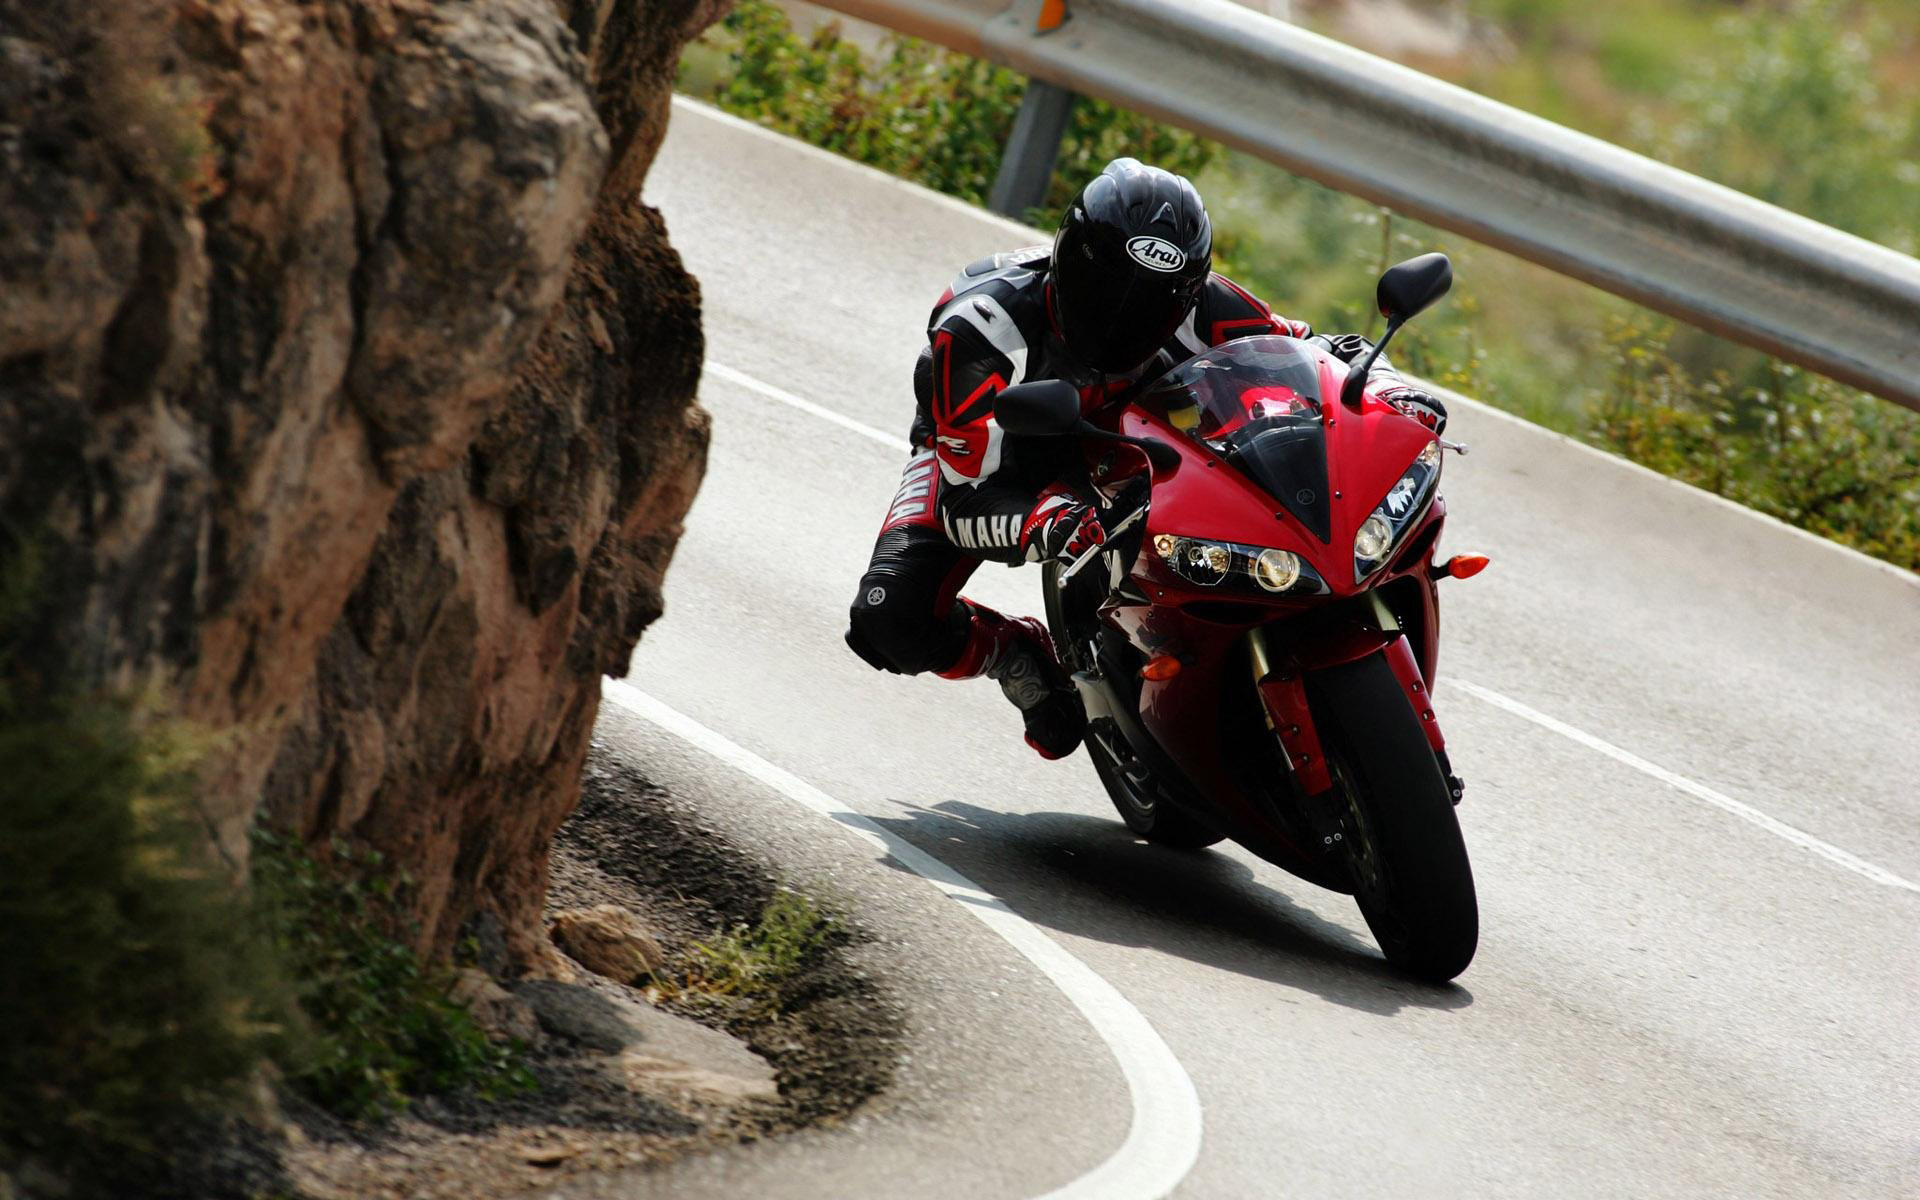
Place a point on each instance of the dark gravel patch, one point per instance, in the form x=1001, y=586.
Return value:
x=836, y=1039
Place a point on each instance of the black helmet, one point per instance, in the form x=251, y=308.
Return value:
x=1131, y=256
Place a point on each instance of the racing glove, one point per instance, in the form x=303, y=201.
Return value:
x=1423, y=406
x=1060, y=527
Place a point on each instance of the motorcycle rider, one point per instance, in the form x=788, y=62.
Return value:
x=1125, y=292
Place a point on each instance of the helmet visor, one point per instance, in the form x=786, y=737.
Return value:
x=1114, y=321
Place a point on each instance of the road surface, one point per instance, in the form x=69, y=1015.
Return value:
x=1691, y=738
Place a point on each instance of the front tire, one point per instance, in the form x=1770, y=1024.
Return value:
x=1409, y=862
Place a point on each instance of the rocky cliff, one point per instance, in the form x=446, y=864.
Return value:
x=346, y=400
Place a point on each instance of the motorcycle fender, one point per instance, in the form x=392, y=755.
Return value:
x=1407, y=671
x=1283, y=692
x=1285, y=696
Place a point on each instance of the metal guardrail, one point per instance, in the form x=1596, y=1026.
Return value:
x=1835, y=303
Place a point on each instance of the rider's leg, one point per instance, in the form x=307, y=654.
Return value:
x=907, y=619
x=1017, y=653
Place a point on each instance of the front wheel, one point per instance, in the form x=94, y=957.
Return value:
x=1408, y=860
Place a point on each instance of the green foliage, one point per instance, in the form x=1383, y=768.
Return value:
x=133, y=995
x=914, y=110
x=379, y=1025
x=751, y=963
x=1801, y=448
x=145, y=984
x=1795, y=116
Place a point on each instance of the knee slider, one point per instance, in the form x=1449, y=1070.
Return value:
x=889, y=641
x=862, y=645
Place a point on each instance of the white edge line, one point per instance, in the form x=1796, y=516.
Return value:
x=1163, y=1142
x=1698, y=791
x=742, y=379
x=1746, y=812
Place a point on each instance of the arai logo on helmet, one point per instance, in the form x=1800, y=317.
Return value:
x=1156, y=254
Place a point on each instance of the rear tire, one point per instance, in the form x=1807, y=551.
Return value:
x=1148, y=816
x=1410, y=868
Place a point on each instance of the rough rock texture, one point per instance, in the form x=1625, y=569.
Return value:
x=346, y=393
x=500, y=1014
x=607, y=940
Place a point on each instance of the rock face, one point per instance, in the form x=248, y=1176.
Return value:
x=346, y=400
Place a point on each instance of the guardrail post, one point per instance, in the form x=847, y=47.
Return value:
x=1026, y=165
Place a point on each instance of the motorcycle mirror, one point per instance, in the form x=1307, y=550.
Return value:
x=1043, y=408
x=1406, y=290
x=1410, y=288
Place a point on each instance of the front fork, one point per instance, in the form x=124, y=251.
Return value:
x=1280, y=678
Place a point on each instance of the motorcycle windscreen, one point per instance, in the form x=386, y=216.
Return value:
x=1256, y=403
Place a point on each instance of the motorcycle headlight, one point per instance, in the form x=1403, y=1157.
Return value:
x=1398, y=512
x=1210, y=564
x=1277, y=570
x=1370, y=544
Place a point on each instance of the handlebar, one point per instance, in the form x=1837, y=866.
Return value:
x=1133, y=518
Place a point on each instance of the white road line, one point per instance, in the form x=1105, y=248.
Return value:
x=1698, y=791
x=1164, y=1140
x=742, y=379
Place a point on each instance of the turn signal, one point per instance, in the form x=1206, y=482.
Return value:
x=1160, y=668
x=1464, y=566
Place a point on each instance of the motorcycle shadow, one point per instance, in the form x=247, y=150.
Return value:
x=1094, y=878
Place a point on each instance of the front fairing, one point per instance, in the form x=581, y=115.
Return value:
x=1270, y=457
x=1256, y=405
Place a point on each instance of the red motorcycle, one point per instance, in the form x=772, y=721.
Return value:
x=1257, y=656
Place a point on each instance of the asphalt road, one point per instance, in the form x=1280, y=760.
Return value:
x=1689, y=736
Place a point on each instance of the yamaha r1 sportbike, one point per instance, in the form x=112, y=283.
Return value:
x=1255, y=641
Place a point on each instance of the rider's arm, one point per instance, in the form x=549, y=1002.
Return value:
x=1386, y=383
x=1227, y=311
x=990, y=503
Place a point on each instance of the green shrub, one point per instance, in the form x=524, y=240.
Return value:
x=133, y=993
x=144, y=987
x=1793, y=114
x=915, y=110
x=1797, y=446
x=128, y=1000
x=144, y=983
x=378, y=1023
x=751, y=963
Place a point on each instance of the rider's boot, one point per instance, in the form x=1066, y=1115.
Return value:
x=1018, y=654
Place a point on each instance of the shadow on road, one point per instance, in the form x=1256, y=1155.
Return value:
x=1094, y=878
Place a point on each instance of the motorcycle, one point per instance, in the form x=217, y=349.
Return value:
x=1257, y=656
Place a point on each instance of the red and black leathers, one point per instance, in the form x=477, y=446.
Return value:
x=970, y=493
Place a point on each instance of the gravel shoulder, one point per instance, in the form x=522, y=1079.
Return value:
x=625, y=1082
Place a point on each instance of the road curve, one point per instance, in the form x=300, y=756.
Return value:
x=1673, y=996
